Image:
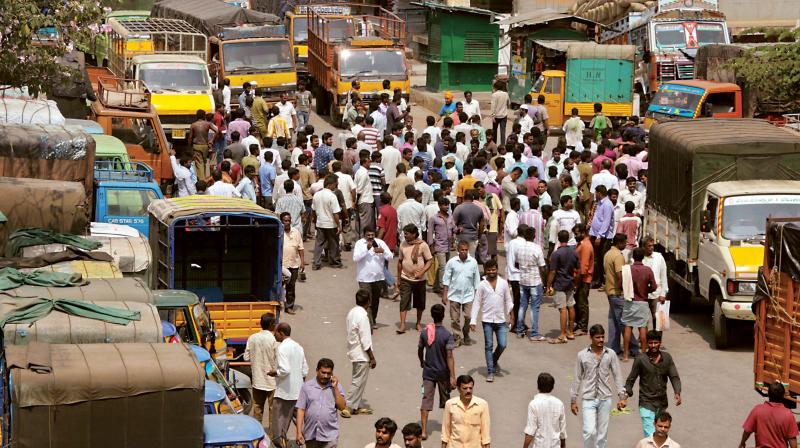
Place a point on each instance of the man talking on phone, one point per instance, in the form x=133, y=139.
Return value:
x=317, y=419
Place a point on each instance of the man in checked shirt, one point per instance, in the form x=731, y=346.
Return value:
x=598, y=380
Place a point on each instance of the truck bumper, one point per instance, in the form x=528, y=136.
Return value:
x=738, y=310
x=176, y=132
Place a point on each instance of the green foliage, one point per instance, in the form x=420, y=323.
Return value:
x=773, y=71
x=28, y=59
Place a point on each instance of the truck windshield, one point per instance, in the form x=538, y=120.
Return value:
x=372, y=63
x=261, y=55
x=174, y=76
x=670, y=35
x=537, y=86
x=300, y=30
x=710, y=33
x=744, y=217
x=676, y=100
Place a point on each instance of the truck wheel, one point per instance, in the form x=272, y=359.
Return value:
x=721, y=324
x=336, y=117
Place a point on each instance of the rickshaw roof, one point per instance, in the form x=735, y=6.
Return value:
x=214, y=392
x=230, y=428
x=168, y=329
x=168, y=210
x=200, y=353
x=174, y=298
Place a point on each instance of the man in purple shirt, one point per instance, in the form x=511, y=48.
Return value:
x=320, y=397
x=440, y=235
x=601, y=231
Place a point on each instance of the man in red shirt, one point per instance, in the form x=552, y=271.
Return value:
x=219, y=138
x=583, y=280
x=772, y=422
x=387, y=231
x=636, y=312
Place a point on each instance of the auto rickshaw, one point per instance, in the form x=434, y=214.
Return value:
x=234, y=431
x=239, y=396
x=215, y=399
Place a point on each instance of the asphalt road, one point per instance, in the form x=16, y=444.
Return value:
x=717, y=385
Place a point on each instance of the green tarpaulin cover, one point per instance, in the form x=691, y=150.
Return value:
x=12, y=278
x=23, y=310
x=33, y=237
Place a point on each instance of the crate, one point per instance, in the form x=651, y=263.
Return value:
x=119, y=93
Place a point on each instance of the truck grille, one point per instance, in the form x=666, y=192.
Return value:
x=685, y=70
x=177, y=119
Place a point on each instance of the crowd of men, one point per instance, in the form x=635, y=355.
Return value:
x=449, y=200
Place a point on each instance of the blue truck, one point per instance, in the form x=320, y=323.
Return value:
x=123, y=192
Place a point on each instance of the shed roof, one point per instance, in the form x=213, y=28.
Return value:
x=464, y=9
x=538, y=16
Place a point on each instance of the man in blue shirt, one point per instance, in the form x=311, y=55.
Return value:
x=561, y=281
x=324, y=153
x=266, y=177
x=461, y=279
x=602, y=231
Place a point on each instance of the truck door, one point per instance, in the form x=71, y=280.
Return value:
x=125, y=205
x=707, y=254
x=723, y=105
x=554, y=100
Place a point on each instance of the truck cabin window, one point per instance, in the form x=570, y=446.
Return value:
x=745, y=217
x=174, y=77
x=721, y=103
x=261, y=55
x=710, y=33
x=553, y=86
x=137, y=132
x=537, y=85
x=125, y=202
x=710, y=216
x=676, y=100
x=378, y=63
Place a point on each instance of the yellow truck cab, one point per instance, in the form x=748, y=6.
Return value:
x=169, y=57
x=595, y=74
x=369, y=50
x=245, y=45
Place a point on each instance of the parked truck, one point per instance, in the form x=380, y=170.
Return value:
x=776, y=308
x=124, y=110
x=719, y=91
x=296, y=21
x=712, y=184
x=171, y=63
x=61, y=396
x=370, y=50
x=227, y=251
x=243, y=45
x=667, y=35
x=595, y=74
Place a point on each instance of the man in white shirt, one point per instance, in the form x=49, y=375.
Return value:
x=411, y=212
x=287, y=111
x=512, y=220
x=289, y=372
x=633, y=195
x=348, y=189
x=656, y=262
x=252, y=139
x=364, y=193
x=530, y=260
x=547, y=422
x=226, y=95
x=390, y=157
x=260, y=351
x=370, y=255
x=525, y=122
x=493, y=306
x=434, y=132
x=573, y=129
x=471, y=106
x=326, y=209
x=564, y=218
x=385, y=429
x=220, y=188
x=379, y=121
x=604, y=177
x=359, y=352
x=183, y=175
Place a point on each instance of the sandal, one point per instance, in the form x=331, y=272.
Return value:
x=571, y=337
x=558, y=340
x=362, y=411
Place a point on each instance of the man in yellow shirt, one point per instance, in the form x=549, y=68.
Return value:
x=465, y=421
x=260, y=111
x=466, y=183
x=277, y=126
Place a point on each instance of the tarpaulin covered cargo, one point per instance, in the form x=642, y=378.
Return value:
x=219, y=248
x=47, y=204
x=41, y=151
x=132, y=254
x=103, y=395
x=686, y=156
x=62, y=328
x=98, y=290
x=207, y=15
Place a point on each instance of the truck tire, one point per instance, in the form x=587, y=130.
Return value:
x=336, y=117
x=720, y=323
x=678, y=296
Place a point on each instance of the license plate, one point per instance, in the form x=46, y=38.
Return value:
x=178, y=133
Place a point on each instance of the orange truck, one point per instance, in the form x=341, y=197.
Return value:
x=368, y=45
x=124, y=109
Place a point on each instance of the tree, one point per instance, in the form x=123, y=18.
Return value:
x=35, y=34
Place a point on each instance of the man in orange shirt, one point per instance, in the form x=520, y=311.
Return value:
x=583, y=280
x=466, y=183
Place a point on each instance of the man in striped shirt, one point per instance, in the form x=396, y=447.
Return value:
x=533, y=218
x=371, y=133
x=376, y=178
